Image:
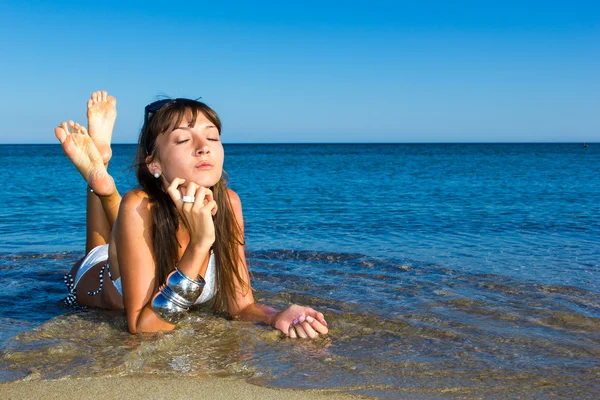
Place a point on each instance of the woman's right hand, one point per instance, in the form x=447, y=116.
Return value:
x=197, y=215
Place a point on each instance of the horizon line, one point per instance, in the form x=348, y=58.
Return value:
x=328, y=143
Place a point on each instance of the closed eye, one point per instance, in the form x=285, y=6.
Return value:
x=182, y=141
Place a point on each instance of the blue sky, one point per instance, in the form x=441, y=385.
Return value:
x=311, y=71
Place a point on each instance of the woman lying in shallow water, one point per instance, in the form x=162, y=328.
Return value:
x=176, y=241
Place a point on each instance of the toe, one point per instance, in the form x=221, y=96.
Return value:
x=104, y=94
x=60, y=133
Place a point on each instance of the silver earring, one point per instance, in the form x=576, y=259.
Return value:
x=156, y=175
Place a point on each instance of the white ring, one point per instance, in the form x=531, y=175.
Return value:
x=188, y=199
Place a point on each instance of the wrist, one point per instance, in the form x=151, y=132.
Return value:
x=199, y=247
x=272, y=319
x=192, y=259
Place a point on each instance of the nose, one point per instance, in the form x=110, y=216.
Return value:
x=202, y=146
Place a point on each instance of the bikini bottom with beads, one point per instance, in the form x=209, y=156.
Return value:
x=95, y=256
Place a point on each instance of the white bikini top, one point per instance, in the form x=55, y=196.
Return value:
x=209, y=278
x=209, y=282
x=100, y=254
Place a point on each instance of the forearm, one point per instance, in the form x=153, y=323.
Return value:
x=255, y=312
x=192, y=260
x=149, y=319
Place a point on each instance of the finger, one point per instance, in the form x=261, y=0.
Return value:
x=310, y=332
x=292, y=332
x=317, y=315
x=173, y=191
x=198, y=198
x=191, y=189
x=317, y=325
x=212, y=207
x=300, y=331
x=208, y=195
x=321, y=318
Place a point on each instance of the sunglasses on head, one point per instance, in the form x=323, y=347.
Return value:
x=153, y=108
x=157, y=105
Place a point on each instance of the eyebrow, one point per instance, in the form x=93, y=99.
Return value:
x=187, y=128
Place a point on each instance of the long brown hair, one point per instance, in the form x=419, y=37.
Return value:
x=165, y=218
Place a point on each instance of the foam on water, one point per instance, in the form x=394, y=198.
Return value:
x=450, y=334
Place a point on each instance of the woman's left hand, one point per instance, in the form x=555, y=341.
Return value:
x=298, y=321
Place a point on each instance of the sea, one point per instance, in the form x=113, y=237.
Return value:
x=445, y=271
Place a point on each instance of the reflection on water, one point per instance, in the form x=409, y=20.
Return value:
x=427, y=332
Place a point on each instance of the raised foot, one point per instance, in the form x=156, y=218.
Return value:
x=83, y=153
x=101, y=113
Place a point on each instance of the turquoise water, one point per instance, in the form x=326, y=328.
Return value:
x=446, y=271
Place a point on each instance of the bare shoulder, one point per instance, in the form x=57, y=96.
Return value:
x=234, y=200
x=137, y=202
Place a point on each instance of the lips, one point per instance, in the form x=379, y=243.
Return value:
x=204, y=165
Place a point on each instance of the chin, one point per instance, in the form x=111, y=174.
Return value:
x=204, y=182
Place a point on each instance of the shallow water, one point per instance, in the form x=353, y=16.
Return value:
x=445, y=271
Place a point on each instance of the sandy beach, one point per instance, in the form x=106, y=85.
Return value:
x=156, y=388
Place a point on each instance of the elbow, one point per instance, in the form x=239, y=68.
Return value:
x=247, y=312
x=132, y=326
x=148, y=322
x=239, y=310
x=132, y=329
x=135, y=323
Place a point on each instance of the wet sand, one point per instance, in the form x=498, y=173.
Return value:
x=156, y=388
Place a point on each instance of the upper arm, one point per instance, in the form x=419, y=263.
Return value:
x=134, y=253
x=243, y=293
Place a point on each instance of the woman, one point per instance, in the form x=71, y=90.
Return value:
x=176, y=241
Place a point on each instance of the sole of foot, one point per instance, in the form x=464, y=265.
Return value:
x=83, y=153
x=102, y=113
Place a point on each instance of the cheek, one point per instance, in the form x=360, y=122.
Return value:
x=220, y=154
x=171, y=164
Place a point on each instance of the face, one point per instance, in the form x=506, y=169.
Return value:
x=192, y=153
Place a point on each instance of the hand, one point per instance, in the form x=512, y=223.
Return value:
x=197, y=215
x=298, y=321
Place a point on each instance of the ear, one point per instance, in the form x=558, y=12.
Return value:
x=153, y=165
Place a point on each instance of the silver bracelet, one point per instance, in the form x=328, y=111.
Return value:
x=176, y=296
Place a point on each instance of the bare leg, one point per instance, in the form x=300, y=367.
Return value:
x=82, y=151
x=98, y=229
x=101, y=113
x=90, y=154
